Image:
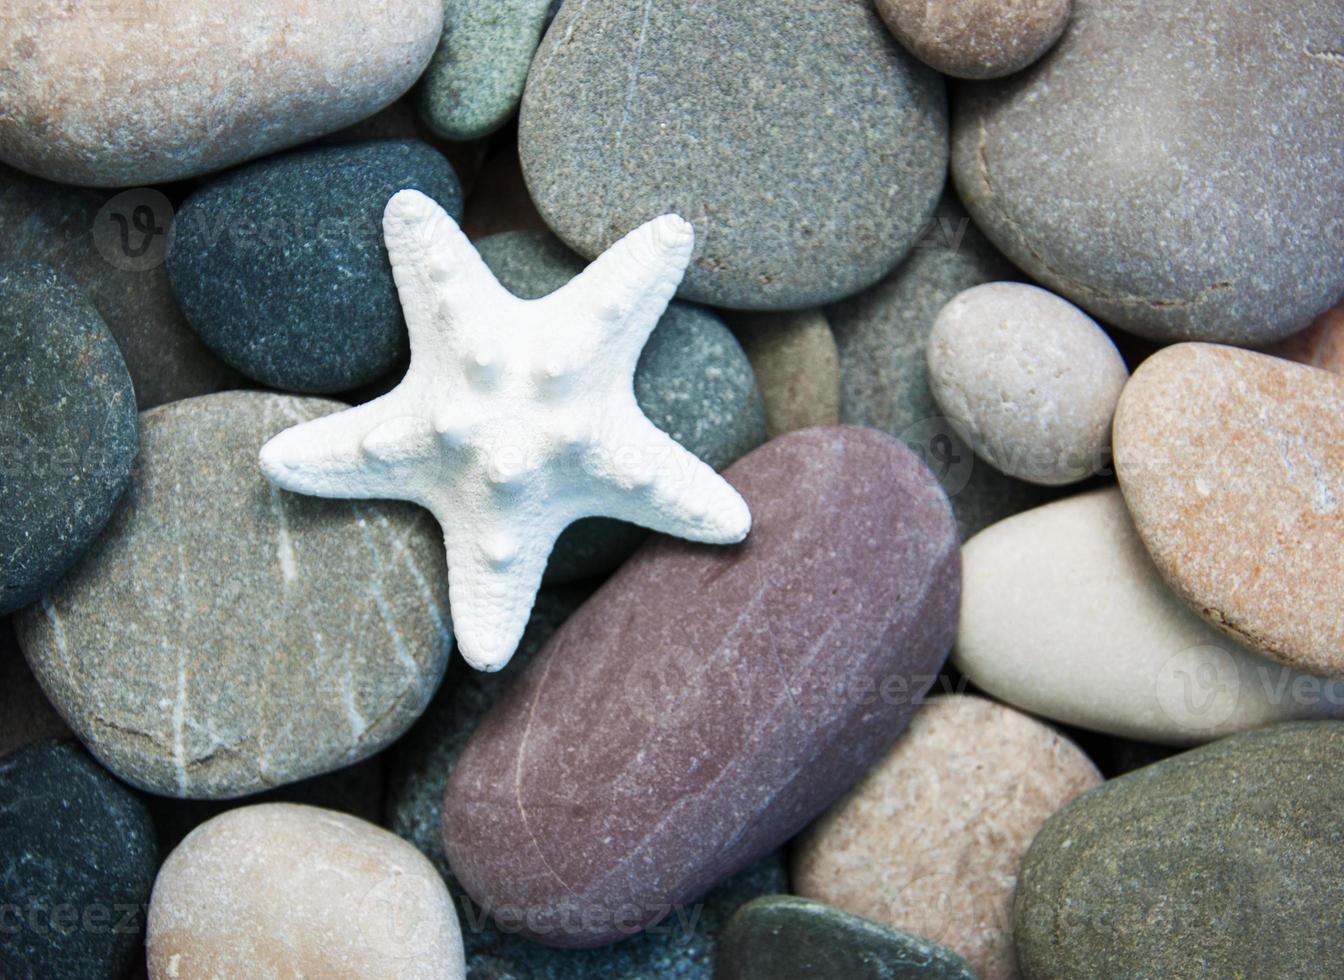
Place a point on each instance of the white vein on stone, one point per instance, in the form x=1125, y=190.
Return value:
x=515, y=418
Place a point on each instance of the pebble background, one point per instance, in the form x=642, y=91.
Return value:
x=1019, y=324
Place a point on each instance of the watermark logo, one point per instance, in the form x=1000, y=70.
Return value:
x=130, y=231
x=1198, y=688
x=942, y=444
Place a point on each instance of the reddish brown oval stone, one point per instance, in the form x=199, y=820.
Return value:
x=708, y=702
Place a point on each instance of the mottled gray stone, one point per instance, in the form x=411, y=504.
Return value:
x=224, y=636
x=77, y=860
x=693, y=381
x=976, y=38
x=1156, y=166
x=883, y=334
x=804, y=144
x=781, y=937
x=68, y=431
x=281, y=269
x=1218, y=862
x=709, y=701
x=52, y=223
x=475, y=79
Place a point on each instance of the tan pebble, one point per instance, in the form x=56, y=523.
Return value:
x=931, y=840
x=1232, y=465
x=1320, y=345
x=797, y=366
x=283, y=891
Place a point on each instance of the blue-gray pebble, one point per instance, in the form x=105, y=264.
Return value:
x=77, y=862
x=280, y=265
x=693, y=381
x=68, y=428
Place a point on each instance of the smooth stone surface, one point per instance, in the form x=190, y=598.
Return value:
x=1213, y=863
x=932, y=838
x=1032, y=378
x=77, y=859
x=25, y=713
x=1320, y=345
x=799, y=194
x=707, y=702
x=1157, y=182
x=68, y=432
x=84, y=104
x=882, y=335
x=1232, y=464
x=795, y=361
x=679, y=948
x=225, y=637
x=976, y=38
x=786, y=938
x=693, y=381
x=1064, y=615
x=474, y=81
x=93, y=237
x=292, y=891
x=281, y=268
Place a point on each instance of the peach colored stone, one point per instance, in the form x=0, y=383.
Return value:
x=1232, y=465
x=1320, y=345
x=287, y=891
x=122, y=92
x=932, y=839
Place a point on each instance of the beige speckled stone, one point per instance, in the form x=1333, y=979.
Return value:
x=1032, y=378
x=796, y=364
x=931, y=841
x=1320, y=345
x=1064, y=615
x=279, y=890
x=976, y=38
x=143, y=91
x=1232, y=464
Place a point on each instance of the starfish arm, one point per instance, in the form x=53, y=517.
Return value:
x=495, y=566
x=627, y=287
x=650, y=479
x=439, y=275
x=358, y=453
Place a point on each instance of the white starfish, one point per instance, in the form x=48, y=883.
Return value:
x=515, y=418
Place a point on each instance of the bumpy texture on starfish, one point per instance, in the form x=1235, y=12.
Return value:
x=515, y=418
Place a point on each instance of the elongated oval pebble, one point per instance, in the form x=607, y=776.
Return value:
x=708, y=701
x=1064, y=615
x=1232, y=464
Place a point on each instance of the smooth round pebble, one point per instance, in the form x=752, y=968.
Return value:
x=77, y=859
x=882, y=336
x=799, y=193
x=86, y=102
x=1156, y=179
x=707, y=702
x=794, y=358
x=1064, y=615
x=224, y=636
x=474, y=81
x=68, y=432
x=932, y=838
x=693, y=381
x=1232, y=465
x=976, y=38
x=281, y=269
x=1214, y=863
x=1031, y=377
x=282, y=890
x=781, y=937
x=113, y=246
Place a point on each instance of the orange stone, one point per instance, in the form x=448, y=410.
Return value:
x=1320, y=345
x=1232, y=465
